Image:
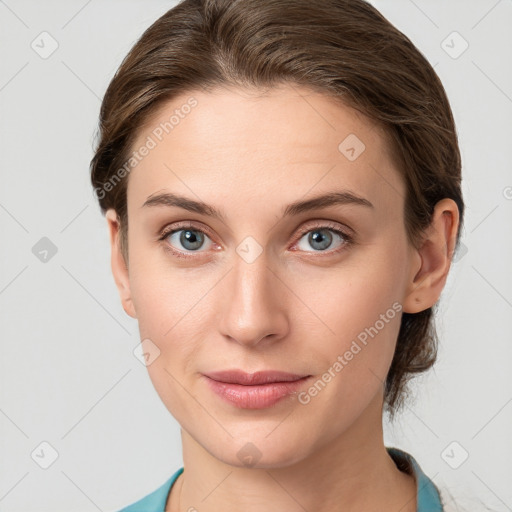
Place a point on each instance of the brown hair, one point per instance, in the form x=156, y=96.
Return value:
x=343, y=48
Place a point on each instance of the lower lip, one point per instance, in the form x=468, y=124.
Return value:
x=255, y=397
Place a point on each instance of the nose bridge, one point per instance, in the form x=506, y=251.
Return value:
x=252, y=309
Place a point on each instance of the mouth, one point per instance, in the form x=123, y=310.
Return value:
x=254, y=379
x=258, y=390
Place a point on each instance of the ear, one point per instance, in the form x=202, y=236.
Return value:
x=118, y=264
x=433, y=259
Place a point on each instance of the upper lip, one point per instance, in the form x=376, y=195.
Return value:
x=251, y=379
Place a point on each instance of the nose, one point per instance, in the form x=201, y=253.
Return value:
x=253, y=304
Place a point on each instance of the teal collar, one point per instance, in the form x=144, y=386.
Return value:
x=427, y=496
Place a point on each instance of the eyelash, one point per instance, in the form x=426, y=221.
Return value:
x=348, y=239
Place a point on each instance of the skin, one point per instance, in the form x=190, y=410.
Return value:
x=249, y=154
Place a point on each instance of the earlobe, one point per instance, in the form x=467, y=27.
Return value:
x=428, y=278
x=118, y=264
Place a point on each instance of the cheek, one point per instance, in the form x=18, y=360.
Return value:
x=352, y=296
x=359, y=311
x=169, y=311
x=173, y=308
x=163, y=294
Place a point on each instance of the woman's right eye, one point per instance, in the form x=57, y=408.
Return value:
x=187, y=239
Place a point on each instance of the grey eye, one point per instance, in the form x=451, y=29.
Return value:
x=189, y=239
x=320, y=239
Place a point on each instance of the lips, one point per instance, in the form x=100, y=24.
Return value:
x=253, y=379
x=258, y=390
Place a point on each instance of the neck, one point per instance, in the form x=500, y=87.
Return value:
x=352, y=472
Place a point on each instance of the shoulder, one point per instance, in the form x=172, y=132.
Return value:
x=155, y=501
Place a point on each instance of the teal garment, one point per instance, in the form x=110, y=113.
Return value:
x=154, y=502
x=427, y=496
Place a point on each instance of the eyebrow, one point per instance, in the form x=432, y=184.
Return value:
x=334, y=198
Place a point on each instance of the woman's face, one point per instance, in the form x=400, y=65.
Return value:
x=274, y=280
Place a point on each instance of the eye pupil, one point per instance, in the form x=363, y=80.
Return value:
x=191, y=237
x=319, y=236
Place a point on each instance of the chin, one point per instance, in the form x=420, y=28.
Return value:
x=258, y=452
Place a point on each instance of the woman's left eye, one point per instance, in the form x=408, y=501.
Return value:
x=321, y=239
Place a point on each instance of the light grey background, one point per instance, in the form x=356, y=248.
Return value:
x=68, y=373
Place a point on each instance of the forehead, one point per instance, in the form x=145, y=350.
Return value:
x=255, y=143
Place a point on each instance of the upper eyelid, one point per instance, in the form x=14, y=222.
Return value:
x=326, y=224
x=167, y=230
